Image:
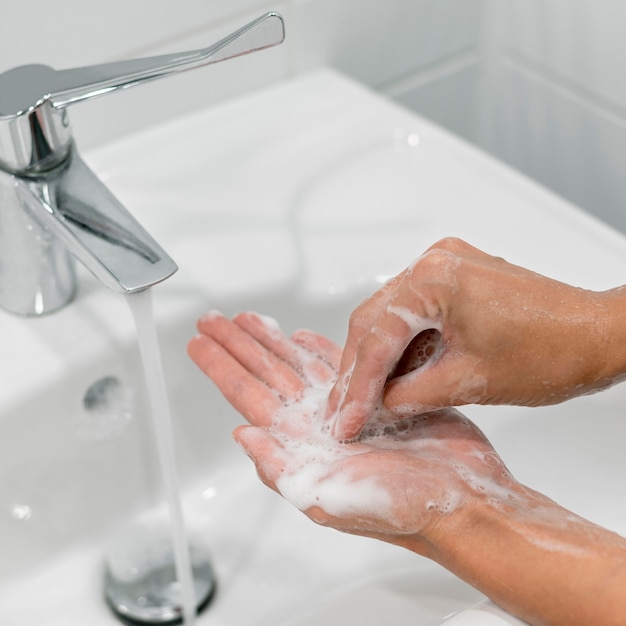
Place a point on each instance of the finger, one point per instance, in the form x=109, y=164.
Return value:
x=376, y=358
x=246, y=393
x=326, y=349
x=319, y=356
x=452, y=380
x=268, y=334
x=254, y=357
x=405, y=317
x=364, y=316
x=361, y=321
x=265, y=451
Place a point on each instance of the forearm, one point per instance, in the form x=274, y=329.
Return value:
x=537, y=560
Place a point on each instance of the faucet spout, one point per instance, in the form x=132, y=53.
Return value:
x=72, y=207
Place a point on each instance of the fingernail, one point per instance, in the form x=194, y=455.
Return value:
x=210, y=315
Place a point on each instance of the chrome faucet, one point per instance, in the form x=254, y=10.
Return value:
x=52, y=206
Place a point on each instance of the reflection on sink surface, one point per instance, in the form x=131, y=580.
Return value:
x=308, y=196
x=421, y=594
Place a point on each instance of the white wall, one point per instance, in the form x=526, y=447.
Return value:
x=539, y=83
x=545, y=91
x=558, y=90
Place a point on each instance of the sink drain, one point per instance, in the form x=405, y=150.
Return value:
x=148, y=592
x=106, y=410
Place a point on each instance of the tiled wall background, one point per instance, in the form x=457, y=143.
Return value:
x=539, y=83
x=557, y=85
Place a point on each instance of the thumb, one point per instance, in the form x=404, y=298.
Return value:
x=265, y=452
x=450, y=381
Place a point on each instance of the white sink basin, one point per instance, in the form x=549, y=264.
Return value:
x=296, y=202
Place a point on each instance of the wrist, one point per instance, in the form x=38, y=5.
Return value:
x=612, y=359
x=535, y=559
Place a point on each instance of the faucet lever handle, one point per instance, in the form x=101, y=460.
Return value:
x=35, y=135
x=74, y=85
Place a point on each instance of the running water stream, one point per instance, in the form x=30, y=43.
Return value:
x=141, y=306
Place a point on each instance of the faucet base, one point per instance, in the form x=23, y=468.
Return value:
x=36, y=270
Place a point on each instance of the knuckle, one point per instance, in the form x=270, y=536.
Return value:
x=376, y=350
x=359, y=317
x=436, y=265
x=451, y=244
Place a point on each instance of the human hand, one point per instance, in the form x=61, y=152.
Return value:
x=460, y=327
x=430, y=483
x=395, y=482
